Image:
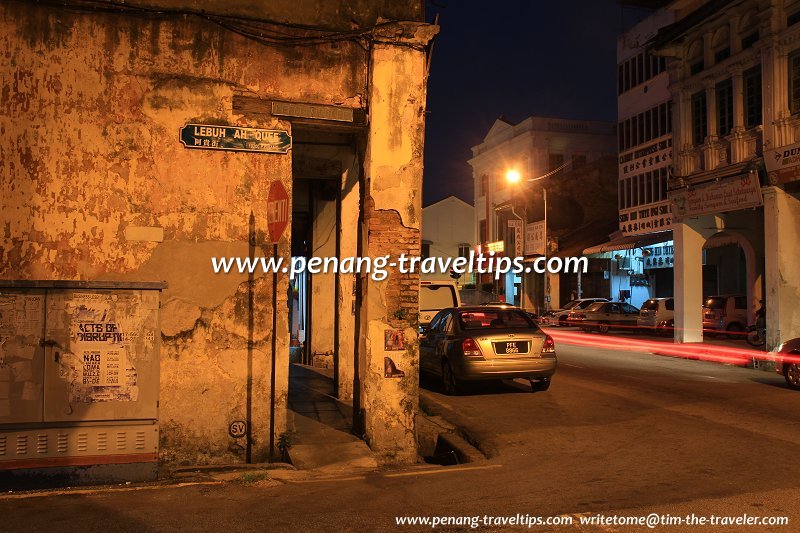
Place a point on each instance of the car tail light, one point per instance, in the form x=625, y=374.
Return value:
x=470, y=348
x=549, y=345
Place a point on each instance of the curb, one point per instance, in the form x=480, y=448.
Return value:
x=457, y=440
x=463, y=450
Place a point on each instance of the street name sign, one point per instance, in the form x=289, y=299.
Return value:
x=234, y=138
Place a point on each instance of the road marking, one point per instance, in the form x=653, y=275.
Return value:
x=103, y=490
x=327, y=479
x=443, y=470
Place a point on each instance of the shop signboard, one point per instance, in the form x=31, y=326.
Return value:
x=783, y=164
x=741, y=192
x=534, y=238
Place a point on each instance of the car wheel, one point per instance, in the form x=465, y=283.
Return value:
x=734, y=329
x=792, y=374
x=603, y=327
x=540, y=385
x=451, y=385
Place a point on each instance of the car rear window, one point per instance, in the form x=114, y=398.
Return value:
x=596, y=306
x=715, y=302
x=571, y=304
x=495, y=319
x=585, y=304
x=433, y=297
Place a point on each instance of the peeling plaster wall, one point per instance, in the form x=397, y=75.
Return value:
x=393, y=212
x=90, y=110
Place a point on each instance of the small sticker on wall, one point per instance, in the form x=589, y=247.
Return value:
x=394, y=340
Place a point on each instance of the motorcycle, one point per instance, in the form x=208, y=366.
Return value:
x=757, y=333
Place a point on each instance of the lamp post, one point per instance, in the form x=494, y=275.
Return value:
x=513, y=176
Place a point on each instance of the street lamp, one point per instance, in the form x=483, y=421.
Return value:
x=513, y=176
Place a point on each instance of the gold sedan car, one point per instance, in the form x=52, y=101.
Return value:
x=480, y=343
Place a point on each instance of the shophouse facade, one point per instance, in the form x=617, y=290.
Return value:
x=734, y=74
x=640, y=262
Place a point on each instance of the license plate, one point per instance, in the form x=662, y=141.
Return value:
x=510, y=348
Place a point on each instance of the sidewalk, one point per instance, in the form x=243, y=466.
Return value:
x=320, y=425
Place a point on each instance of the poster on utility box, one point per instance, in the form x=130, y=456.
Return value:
x=98, y=366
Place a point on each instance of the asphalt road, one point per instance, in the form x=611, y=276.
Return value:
x=624, y=433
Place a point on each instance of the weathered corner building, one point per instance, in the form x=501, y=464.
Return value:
x=116, y=166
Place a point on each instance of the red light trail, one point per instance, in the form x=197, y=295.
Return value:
x=704, y=352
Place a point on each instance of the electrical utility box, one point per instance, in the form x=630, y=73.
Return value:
x=79, y=381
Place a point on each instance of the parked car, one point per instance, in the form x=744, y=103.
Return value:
x=789, y=369
x=656, y=314
x=725, y=314
x=604, y=316
x=558, y=317
x=478, y=343
x=435, y=296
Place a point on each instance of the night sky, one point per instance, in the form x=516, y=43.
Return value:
x=514, y=58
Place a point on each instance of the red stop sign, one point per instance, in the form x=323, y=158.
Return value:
x=277, y=210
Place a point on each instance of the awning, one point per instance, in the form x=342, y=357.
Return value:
x=591, y=234
x=630, y=241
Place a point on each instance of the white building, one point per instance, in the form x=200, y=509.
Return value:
x=448, y=231
x=533, y=147
x=735, y=80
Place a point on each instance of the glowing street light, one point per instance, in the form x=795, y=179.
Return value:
x=513, y=176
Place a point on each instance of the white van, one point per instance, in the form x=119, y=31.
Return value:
x=435, y=295
x=656, y=315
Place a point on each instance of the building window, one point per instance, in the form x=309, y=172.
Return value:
x=794, y=82
x=627, y=75
x=721, y=45
x=752, y=97
x=722, y=55
x=749, y=40
x=641, y=190
x=630, y=193
x=578, y=161
x=694, y=57
x=426, y=249
x=482, y=236
x=793, y=19
x=724, y=107
x=556, y=160
x=663, y=172
x=640, y=69
x=699, y=118
x=621, y=196
x=463, y=250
